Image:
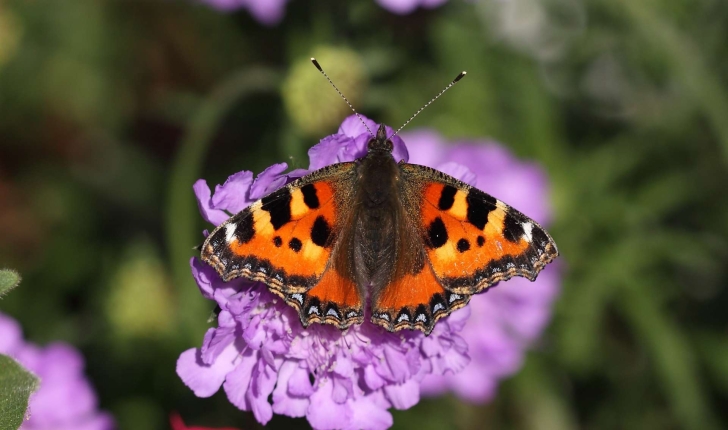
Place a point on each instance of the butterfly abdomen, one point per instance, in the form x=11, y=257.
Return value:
x=375, y=212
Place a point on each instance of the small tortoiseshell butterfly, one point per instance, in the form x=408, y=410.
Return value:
x=411, y=241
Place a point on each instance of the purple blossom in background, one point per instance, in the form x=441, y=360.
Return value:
x=268, y=12
x=65, y=399
x=403, y=7
x=336, y=379
x=506, y=320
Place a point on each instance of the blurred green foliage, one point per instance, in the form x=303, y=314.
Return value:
x=111, y=110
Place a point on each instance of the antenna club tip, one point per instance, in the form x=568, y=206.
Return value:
x=315, y=63
x=460, y=76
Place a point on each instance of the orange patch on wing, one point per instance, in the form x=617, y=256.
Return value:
x=336, y=289
x=409, y=291
x=451, y=260
x=290, y=248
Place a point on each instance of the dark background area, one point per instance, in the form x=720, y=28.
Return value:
x=110, y=110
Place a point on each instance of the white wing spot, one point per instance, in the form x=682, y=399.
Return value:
x=403, y=317
x=332, y=312
x=297, y=297
x=385, y=317
x=313, y=310
x=437, y=307
x=527, y=228
x=230, y=231
x=454, y=297
x=421, y=317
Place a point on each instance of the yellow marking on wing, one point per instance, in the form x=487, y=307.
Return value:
x=262, y=224
x=459, y=208
x=298, y=207
x=446, y=253
x=311, y=251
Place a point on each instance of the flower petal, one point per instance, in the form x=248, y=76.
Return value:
x=283, y=402
x=204, y=203
x=368, y=414
x=404, y=395
x=268, y=181
x=331, y=149
x=204, y=379
x=237, y=383
x=231, y=196
x=323, y=413
x=299, y=383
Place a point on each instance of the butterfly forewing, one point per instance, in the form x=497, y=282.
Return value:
x=287, y=239
x=474, y=240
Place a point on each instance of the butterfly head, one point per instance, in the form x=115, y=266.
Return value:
x=380, y=143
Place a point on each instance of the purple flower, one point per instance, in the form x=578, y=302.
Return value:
x=268, y=12
x=403, y=7
x=506, y=320
x=259, y=350
x=65, y=399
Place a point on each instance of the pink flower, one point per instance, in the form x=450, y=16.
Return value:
x=267, y=12
x=403, y=7
x=336, y=379
x=65, y=399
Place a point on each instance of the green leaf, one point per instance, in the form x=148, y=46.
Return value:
x=16, y=386
x=9, y=279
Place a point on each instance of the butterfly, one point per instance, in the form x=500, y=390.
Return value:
x=402, y=244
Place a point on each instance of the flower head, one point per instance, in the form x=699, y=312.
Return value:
x=506, y=320
x=349, y=379
x=267, y=12
x=65, y=399
x=260, y=350
x=270, y=12
x=403, y=7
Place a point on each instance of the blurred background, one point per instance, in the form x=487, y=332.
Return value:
x=110, y=110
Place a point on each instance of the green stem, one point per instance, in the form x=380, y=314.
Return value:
x=182, y=216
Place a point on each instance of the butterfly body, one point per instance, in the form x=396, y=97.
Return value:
x=407, y=242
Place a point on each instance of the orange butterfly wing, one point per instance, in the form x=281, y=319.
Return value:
x=474, y=240
x=470, y=241
x=287, y=241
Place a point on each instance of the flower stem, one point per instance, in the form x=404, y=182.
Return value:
x=181, y=217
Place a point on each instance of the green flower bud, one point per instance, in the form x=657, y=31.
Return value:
x=312, y=104
x=10, y=32
x=140, y=303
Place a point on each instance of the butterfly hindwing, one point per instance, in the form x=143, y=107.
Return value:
x=415, y=301
x=334, y=300
x=474, y=240
x=287, y=239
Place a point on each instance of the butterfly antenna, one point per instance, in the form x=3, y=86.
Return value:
x=318, y=66
x=454, y=81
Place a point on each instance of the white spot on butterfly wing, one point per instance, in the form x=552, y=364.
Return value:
x=403, y=317
x=527, y=229
x=297, y=297
x=332, y=312
x=230, y=231
x=454, y=297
